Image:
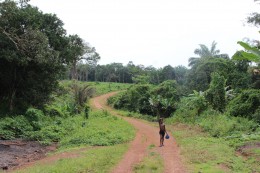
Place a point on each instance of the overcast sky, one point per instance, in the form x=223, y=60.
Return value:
x=154, y=32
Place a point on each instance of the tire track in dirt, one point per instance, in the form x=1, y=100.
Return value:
x=146, y=135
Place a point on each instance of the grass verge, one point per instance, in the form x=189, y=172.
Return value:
x=96, y=131
x=204, y=153
x=97, y=160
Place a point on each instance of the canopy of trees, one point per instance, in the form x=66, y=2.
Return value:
x=34, y=51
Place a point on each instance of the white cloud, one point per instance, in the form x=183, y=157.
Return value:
x=153, y=32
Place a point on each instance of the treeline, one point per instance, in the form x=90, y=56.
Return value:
x=130, y=73
x=239, y=74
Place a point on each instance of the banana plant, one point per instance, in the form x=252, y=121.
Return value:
x=250, y=54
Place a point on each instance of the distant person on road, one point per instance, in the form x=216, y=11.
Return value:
x=162, y=131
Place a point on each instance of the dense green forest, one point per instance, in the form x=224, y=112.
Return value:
x=47, y=78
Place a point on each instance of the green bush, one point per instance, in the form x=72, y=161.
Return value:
x=135, y=99
x=190, y=108
x=246, y=104
x=50, y=133
x=220, y=125
x=54, y=110
x=35, y=118
x=15, y=127
x=215, y=95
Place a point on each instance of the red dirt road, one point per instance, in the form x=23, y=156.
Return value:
x=146, y=135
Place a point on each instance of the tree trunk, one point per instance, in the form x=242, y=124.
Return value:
x=86, y=75
x=74, y=71
x=11, y=103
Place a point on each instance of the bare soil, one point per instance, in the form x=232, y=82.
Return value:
x=246, y=150
x=147, y=135
x=15, y=153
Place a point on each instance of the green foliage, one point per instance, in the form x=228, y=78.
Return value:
x=215, y=95
x=138, y=116
x=199, y=77
x=15, y=127
x=135, y=99
x=35, y=117
x=32, y=56
x=246, y=104
x=164, y=97
x=141, y=79
x=167, y=89
x=98, y=132
x=167, y=73
x=105, y=87
x=69, y=99
x=212, y=121
x=238, y=80
x=50, y=133
x=86, y=110
x=251, y=54
x=208, y=154
x=222, y=125
x=81, y=94
x=54, y=110
x=146, y=99
x=189, y=108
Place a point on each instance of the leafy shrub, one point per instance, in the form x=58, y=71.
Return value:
x=189, y=108
x=164, y=98
x=51, y=133
x=167, y=89
x=15, y=127
x=135, y=99
x=54, y=111
x=215, y=95
x=35, y=118
x=246, y=104
x=219, y=125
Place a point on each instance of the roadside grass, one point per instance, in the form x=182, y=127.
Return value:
x=96, y=131
x=97, y=160
x=83, y=133
x=106, y=87
x=204, y=153
x=152, y=163
x=100, y=87
x=137, y=115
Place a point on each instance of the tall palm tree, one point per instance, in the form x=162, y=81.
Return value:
x=205, y=52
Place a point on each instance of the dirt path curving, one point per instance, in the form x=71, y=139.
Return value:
x=146, y=135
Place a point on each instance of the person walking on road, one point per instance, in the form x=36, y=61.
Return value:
x=162, y=131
